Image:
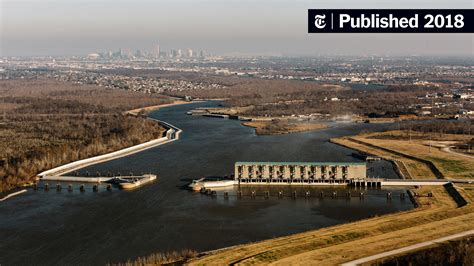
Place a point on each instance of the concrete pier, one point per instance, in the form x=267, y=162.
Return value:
x=125, y=182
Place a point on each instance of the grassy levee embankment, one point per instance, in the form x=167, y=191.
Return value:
x=401, y=162
x=422, y=157
x=436, y=217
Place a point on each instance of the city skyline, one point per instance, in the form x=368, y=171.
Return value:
x=51, y=27
x=155, y=52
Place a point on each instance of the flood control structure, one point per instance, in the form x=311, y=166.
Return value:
x=298, y=172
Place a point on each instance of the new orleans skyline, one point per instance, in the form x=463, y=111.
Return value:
x=262, y=27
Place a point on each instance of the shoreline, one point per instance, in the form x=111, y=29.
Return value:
x=136, y=111
x=76, y=165
x=13, y=194
x=172, y=134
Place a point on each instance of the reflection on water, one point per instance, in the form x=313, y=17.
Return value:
x=110, y=226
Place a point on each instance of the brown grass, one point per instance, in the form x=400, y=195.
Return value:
x=276, y=127
x=404, y=147
x=161, y=258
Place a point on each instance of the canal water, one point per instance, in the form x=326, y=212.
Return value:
x=94, y=228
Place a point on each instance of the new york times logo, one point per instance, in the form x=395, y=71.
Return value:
x=390, y=21
x=319, y=21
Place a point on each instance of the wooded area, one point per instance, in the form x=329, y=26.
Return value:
x=246, y=91
x=47, y=123
x=288, y=97
x=389, y=102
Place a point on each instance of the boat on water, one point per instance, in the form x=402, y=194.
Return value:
x=210, y=183
x=196, y=184
x=135, y=181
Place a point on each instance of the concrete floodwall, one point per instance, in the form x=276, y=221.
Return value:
x=454, y=193
x=103, y=158
x=69, y=167
x=77, y=179
x=413, y=199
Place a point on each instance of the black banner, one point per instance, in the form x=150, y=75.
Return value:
x=390, y=21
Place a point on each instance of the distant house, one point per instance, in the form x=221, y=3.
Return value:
x=461, y=96
x=466, y=112
x=425, y=112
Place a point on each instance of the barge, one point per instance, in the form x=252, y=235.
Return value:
x=210, y=183
x=132, y=182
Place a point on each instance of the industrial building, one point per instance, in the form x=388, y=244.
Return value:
x=298, y=172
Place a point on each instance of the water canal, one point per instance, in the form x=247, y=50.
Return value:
x=62, y=228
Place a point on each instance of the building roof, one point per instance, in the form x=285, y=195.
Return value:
x=302, y=163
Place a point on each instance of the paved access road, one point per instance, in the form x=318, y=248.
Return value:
x=409, y=248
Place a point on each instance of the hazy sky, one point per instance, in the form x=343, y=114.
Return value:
x=74, y=27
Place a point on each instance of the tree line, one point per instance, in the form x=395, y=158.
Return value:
x=48, y=123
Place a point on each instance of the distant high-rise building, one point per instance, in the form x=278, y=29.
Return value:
x=180, y=53
x=190, y=52
x=107, y=55
x=116, y=54
x=125, y=53
x=156, y=51
x=139, y=54
x=173, y=53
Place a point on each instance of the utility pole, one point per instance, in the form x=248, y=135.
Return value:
x=432, y=107
x=429, y=150
x=469, y=139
